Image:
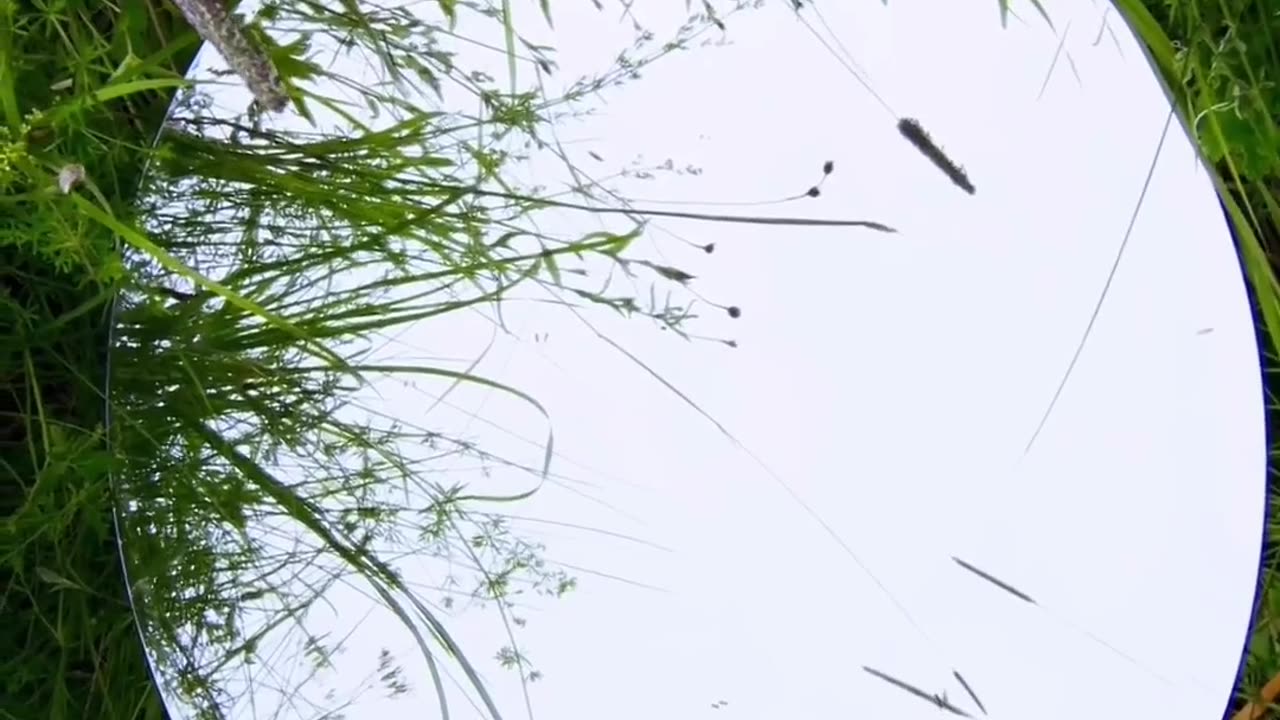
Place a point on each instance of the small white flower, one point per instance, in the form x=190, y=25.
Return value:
x=69, y=177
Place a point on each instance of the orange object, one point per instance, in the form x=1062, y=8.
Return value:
x=1258, y=708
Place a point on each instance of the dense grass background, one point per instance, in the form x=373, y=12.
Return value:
x=70, y=646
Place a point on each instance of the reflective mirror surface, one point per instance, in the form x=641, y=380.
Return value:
x=800, y=470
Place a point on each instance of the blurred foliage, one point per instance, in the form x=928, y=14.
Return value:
x=1228, y=51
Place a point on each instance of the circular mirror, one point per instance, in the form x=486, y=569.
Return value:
x=770, y=360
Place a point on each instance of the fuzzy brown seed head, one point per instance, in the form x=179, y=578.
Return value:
x=911, y=130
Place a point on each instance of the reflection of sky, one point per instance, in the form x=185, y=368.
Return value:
x=891, y=381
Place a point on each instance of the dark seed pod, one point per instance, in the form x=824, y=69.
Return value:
x=828, y=167
x=735, y=312
x=813, y=191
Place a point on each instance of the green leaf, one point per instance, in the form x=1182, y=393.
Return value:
x=1043, y=13
x=54, y=578
x=672, y=273
x=1005, y=12
x=553, y=268
x=9, y=69
x=450, y=10
x=615, y=245
x=131, y=87
x=509, y=34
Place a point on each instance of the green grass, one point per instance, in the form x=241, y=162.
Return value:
x=70, y=647
x=185, y=334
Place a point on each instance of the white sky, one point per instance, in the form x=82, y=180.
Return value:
x=891, y=381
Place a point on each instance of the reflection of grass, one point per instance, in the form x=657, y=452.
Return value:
x=1221, y=61
x=259, y=269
